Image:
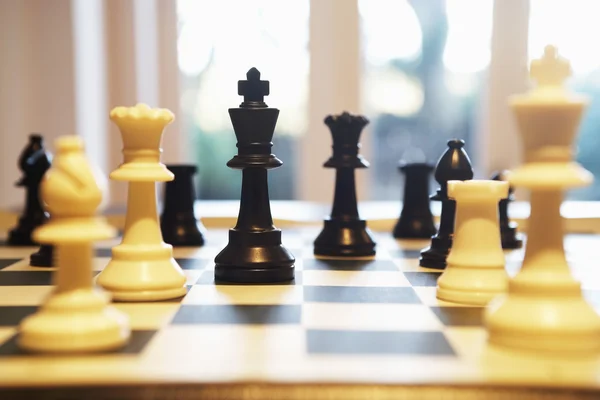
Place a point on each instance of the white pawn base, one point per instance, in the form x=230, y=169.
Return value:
x=471, y=285
x=557, y=321
x=79, y=321
x=143, y=274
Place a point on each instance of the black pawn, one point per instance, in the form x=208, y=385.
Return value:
x=511, y=238
x=454, y=165
x=254, y=253
x=178, y=222
x=344, y=233
x=33, y=162
x=416, y=220
x=43, y=257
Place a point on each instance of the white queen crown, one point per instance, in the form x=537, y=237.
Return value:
x=141, y=131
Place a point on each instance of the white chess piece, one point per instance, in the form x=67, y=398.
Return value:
x=142, y=267
x=77, y=317
x=475, y=273
x=544, y=309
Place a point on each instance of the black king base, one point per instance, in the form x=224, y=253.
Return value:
x=254, y=253
x=344, y=234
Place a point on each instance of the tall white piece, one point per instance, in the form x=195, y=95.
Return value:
x=544, y=310
x=77, y=317
x=475, y=273
x=142, y=267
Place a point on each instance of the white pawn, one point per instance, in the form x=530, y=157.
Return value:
x=77, y=317
x=475, y=273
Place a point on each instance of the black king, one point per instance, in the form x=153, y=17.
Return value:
x=254, y=253
x=344, y=233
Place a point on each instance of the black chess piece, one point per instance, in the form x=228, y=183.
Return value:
x=178, y=222
x=453, y=165
x=254, y=253
x=44, y=257
x=416, y=220
x=34, y=161
x=511, y=238
x=344, y=233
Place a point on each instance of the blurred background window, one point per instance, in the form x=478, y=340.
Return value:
x=216, y=46
x=573, y=26
x=424, y=76
x=424, y=63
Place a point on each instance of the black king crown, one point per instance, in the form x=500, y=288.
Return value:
x=254, y=124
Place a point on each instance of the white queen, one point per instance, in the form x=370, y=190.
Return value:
x=142, y=267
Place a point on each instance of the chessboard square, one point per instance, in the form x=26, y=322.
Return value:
x=460, y=316
x=24, y=295
x=238, y=294
x=23, y=265
x=7, y=333
x=422, y=278
x=592, y=297
x=208, y=278
x=468, y=342
x=13, y=315
x=348, y=265
x=99, y=263
x=103, y=252
x=136, y=344
x=192, y=276
x=376, y=317
x=201, y=253
x=192, y=263
x=7, y=262
x=148, y=316
x=409, y=264
x=25, y=278
x=428, y=296
x=405, y=253
x=355, y=278
x=238, y=314
x=378, y=343
x=357, y=294
x=224, y=346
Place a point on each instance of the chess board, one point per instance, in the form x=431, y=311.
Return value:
x=354, y=328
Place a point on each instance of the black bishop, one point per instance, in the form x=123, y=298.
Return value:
x=454, y=165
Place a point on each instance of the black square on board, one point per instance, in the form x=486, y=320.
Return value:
x=238, y=314
x=360, y=294
x=192, y=263
x=348, y=265
x=138, y=341
x=13, y=315
x=405, y=253
x=25, y=278
x=7, y=262
x=378, y=342
x=460, y=316
x=103, y=252
x=208, y=278
x=423, y=278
